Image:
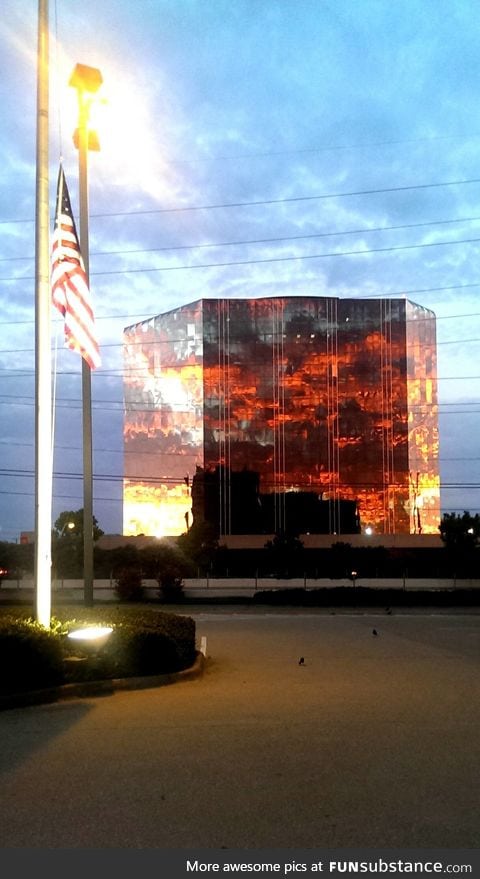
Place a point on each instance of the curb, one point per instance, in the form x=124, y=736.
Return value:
x=102, y=687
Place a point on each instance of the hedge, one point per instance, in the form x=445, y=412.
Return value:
x=31, y=657
x=142, y=642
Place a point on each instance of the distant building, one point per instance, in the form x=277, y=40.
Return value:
x=27, y=537
x=255, y=512
x=334, y=400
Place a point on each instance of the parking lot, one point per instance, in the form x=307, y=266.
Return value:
x=371, y=742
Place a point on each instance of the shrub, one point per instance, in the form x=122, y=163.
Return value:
x=346, y=596
x=143, y=642
x=166, y=563
x=170, y=587
x=181, y=629
x=129, y=585
x=31, y=657
x=141, y=651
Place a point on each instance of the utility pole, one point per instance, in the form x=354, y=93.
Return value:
x=87, y=81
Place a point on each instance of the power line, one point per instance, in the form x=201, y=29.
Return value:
x=173, y=480
x=114, y=406
x=122, y=451
x=68, y=497
x=394, y=295
x=291, y=199
x=16, y=372
x=271, y=201
x=322, y=149
x=272, y=259
x=298, y=258
x=361, y=231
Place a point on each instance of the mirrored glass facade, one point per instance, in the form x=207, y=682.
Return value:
x=333, y=400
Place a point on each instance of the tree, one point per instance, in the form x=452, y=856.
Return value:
x=166, y=563
x=67, y=543
x=200, y=545
x=285, y=554
x=460, y=532
x=15, y=560
x=341, y=559
x=129, y=584
x=460, y=535
x=61, y=525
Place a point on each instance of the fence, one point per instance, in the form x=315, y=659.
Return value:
x=238, y=587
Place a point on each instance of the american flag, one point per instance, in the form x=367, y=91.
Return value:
x=70, y=291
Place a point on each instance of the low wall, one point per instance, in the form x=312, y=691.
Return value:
x=238, y=586
x=262, y=583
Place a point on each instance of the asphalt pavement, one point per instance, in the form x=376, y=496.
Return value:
x=372, y=741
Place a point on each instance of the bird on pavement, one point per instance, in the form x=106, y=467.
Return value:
x=374, y=632
x=301, y=661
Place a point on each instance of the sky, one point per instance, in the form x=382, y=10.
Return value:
x=248, y=148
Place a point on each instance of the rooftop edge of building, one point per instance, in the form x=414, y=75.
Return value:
x=202, y=299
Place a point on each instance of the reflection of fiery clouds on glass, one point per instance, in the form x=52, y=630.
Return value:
x=164, y=420
x=334, y=399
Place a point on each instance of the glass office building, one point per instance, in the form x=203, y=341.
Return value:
x=328, y=399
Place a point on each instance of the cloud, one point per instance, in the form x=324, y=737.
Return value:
x=211, y=105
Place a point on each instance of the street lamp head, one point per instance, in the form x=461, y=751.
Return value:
x=67, y=525
x=86, y=79
x=93, y=141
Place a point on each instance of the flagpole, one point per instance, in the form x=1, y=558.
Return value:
x=43, y=389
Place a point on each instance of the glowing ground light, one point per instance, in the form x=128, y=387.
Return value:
x=91, y=633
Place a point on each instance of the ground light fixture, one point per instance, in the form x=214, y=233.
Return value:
x=91, y=638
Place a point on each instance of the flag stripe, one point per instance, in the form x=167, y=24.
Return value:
x=70, y=290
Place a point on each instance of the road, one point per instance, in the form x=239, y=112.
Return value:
x=372, y=742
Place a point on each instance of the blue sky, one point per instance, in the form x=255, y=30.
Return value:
x=353, y=127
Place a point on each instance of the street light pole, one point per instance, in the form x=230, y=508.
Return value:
x=70, y=526
x=86, y=372
x=87, y=81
